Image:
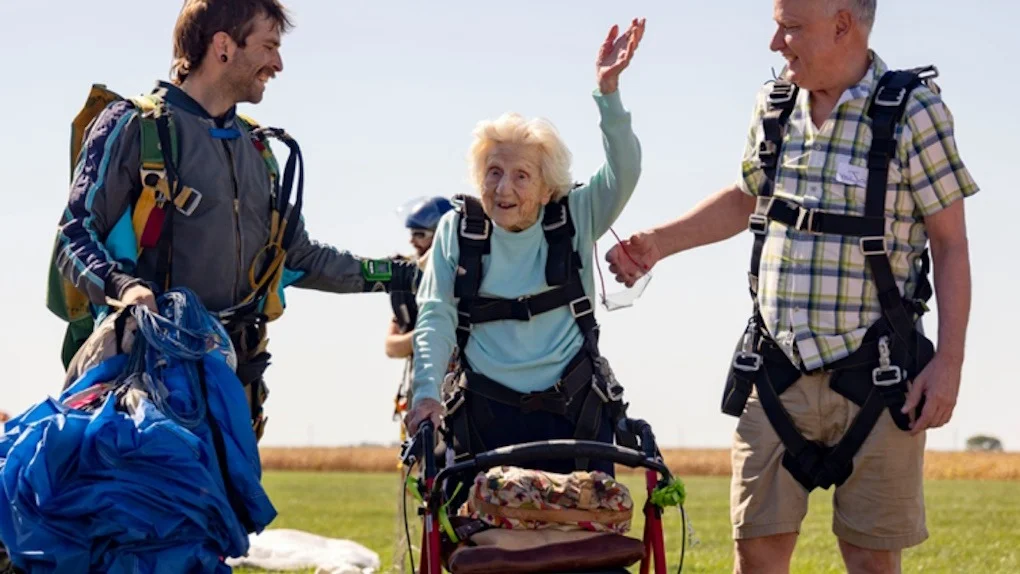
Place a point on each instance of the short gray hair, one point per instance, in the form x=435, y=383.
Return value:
x=863, y=11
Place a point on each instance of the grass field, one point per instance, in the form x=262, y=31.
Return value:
x=973, y=523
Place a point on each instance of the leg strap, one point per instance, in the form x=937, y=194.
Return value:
x=873, y=388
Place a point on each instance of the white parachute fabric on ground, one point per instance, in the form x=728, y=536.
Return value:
x=284, y=549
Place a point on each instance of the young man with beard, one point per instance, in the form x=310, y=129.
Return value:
x=233, y=238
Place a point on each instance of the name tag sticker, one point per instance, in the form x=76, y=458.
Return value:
x=852, y=174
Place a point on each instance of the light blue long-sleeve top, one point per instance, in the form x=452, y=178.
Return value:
x=525, y=356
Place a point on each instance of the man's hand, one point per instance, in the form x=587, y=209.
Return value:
x=616, y=53
x=139, y=295
x=424, y=410
x=939, y=383
x=633, y=257
x=403, y=275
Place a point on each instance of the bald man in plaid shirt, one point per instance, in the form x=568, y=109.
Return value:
x=849, y=173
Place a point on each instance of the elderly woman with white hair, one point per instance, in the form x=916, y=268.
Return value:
x=509, y=284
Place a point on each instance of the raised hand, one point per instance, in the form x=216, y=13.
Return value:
x=616, y=53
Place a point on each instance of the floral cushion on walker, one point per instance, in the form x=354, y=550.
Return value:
x=518, y=498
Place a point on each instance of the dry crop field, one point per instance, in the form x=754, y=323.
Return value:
x=683, y=462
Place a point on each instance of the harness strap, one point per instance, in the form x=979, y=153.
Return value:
x=813, y=463
x=795, y=216
x=781, y=102
x=759, y=362
x=487, y=309
x=164, y=260
x=559, y=230
x=474, y=237
x=150, y=205
x=887, y=107
x=572, y=397
x=563, y=273
x=576, y=379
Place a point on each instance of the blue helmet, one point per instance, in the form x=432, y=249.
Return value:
x=426, y=213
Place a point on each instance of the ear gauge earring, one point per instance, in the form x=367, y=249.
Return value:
x=223, y=58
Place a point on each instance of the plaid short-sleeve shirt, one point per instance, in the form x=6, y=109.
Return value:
x=815, y=292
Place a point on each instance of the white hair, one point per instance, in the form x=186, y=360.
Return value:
x=512, y=128
x=863, y=11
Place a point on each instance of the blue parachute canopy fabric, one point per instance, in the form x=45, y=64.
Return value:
x=135, y=484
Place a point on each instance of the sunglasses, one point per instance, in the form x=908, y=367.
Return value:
x=421, y=233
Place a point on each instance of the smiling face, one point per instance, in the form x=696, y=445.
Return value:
x=253, y=65
x=808, y=36
x=513, y=190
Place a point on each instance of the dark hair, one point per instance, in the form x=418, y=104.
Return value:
x=200, y=20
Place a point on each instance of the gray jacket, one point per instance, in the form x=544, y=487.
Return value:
x=214, y=246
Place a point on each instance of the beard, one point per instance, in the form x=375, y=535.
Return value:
x=242, y=81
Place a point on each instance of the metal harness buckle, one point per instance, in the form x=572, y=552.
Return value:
x=748, y=362
x=576, y=303
x=614, y=390
x=456, y=402
x=893, y=102
x=886, y=374
x=612, y=394
x=758, y=224
x=557, y=224
x=805, y=215
x=781, y=94
x=746, y=358
x=873, y=246
x=192, y=200
x=472, y=235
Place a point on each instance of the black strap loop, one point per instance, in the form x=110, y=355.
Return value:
x=164, y=258
x=781, y=102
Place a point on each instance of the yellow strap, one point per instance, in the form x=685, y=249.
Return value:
x=182, y=197
x=75, y=301
x=143, y=208
x=248, y=120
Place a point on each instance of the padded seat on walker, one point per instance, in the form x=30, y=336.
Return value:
x=498, y=551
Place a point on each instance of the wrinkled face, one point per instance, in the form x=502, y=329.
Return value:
x=806, y=36
x=513, y=191
x=253, y=65
x=421, y=240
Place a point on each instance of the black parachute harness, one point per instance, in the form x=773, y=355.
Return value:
x=587, y=385
x=875, y=376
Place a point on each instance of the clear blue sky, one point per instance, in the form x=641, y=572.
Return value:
x=382, y=97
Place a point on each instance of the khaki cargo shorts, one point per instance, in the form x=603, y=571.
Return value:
x=881, y=505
